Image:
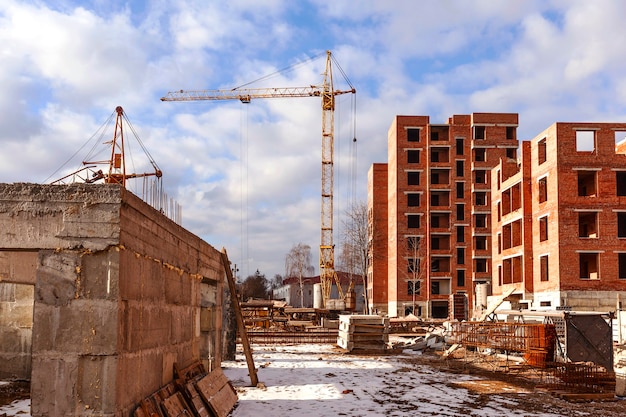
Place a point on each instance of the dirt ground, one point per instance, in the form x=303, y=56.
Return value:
x=12, y=391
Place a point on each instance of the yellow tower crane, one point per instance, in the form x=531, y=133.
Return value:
x=327, y=93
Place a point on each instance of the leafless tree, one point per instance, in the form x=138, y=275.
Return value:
x=353, y=258
x=298, y=264
x=416, y=270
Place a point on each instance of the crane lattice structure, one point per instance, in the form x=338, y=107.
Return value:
x=327, y=94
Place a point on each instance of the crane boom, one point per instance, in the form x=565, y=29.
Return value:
x=327, y=94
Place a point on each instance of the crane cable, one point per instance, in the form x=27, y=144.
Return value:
x=244, y=220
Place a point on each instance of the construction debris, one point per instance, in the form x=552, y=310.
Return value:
x=193, y=393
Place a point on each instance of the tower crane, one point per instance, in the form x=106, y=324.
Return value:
x=327, y=94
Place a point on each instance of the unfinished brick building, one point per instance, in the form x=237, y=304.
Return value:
x=559, y=227
x=438, y=212
x=100, y=296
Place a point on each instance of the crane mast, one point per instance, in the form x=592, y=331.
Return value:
x=327, y=94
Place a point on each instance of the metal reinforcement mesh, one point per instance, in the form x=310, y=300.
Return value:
x=579, y=378
x=535, y=341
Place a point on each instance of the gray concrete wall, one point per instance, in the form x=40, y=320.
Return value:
x=121, y=294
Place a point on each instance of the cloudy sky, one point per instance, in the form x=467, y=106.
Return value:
x=248, y=176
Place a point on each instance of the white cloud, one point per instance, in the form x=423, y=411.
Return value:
x=64, y=68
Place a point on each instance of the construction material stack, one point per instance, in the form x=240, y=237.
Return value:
x=363, y=333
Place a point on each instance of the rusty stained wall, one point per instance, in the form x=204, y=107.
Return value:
x=121, y=294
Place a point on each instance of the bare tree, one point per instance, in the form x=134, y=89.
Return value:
x=298, y=264
x=354, y=244
x=416, y=270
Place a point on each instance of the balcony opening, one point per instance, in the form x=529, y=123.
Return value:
x=439, y=220
x=480, y=242
x=511, y=132
x=480, y=220
x=440, y=242
x=439, y=198
x=480, y=176
x=479, y=132
x=439, y=177
x=511, y=153
x=439, y=155
x=481, y=265
x=480, y=155
x=480, y=198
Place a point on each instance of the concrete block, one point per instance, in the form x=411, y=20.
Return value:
x=53, y=385
x=99, y=274
x=96, y=382
x=56, y=277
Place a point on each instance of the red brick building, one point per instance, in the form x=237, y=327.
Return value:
x=430, y=226
x=559, y=227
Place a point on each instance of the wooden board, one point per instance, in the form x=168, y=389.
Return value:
x=216, y=391
x=176, y=406
x=196, y=400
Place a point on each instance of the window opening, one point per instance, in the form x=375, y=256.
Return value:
x=543, y=228
x=585, y=140
x=587, y=183
x=413, y=135
x=588, y=225
x=413, y=156
x=413, y=178
x=588, y=265
x=542, y=151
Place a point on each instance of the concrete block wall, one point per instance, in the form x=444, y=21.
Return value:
x=119, y=290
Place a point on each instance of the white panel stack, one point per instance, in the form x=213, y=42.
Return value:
x=363, y=332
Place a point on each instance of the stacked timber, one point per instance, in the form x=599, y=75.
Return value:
x=363, y=332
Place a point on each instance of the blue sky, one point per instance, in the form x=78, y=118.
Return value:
x=248, y=176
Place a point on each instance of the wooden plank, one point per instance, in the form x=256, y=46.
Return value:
x=196, y=400
x=216, y=391
x=254, y=380
x=176, y=406
x=151, y=407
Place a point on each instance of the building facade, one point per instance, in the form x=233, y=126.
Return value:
x=559, y=230
x=438, y=212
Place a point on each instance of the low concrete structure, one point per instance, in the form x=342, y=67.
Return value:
x=100, y=296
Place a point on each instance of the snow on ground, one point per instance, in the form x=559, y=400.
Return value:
x=319, y=380
x=19, y=408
